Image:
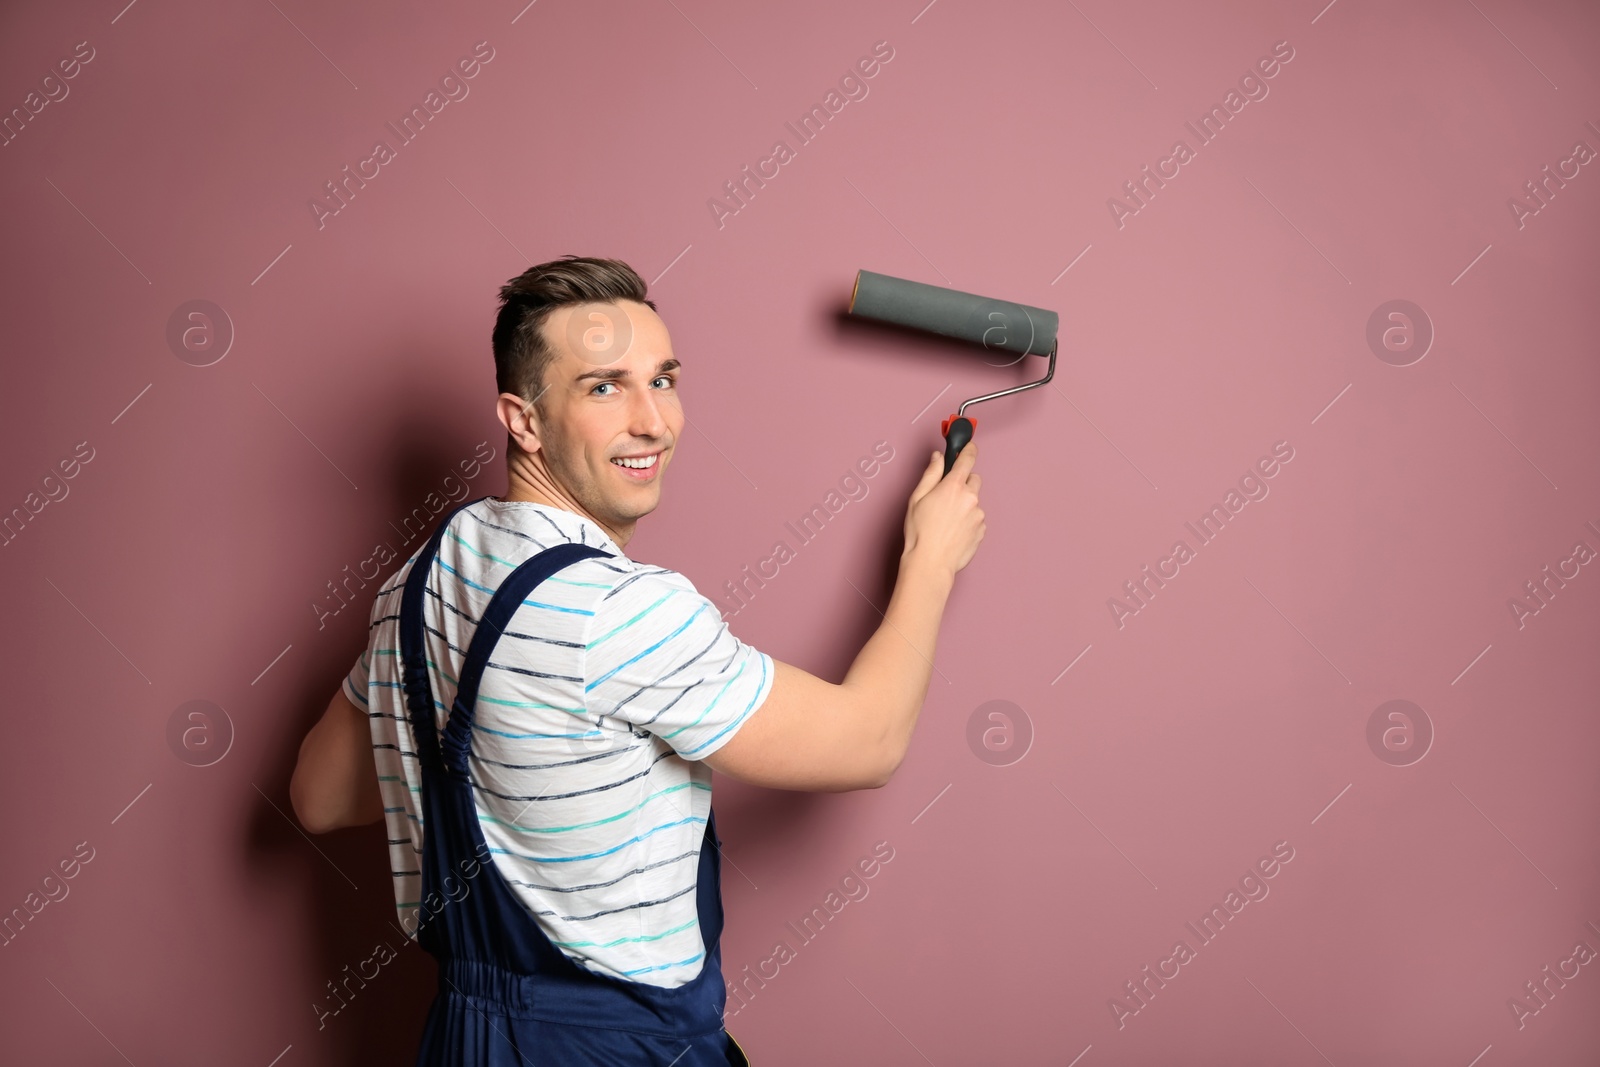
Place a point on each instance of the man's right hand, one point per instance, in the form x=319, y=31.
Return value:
x=943, y=520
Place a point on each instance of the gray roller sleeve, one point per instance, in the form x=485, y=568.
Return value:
x=994, y=324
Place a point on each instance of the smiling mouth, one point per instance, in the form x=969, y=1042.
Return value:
x=637, y=463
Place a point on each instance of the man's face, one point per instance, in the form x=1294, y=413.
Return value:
x=611, y=392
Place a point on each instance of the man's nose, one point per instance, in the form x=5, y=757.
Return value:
x=645, y=417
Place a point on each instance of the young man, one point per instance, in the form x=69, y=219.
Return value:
x=546, y=784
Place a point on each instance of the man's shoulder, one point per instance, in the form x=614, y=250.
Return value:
x=642, y=599
x=611, y=578
x=635, y=580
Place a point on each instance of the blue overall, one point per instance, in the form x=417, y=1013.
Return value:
x=507, y=997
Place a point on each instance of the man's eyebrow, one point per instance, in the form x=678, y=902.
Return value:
x=613, y=373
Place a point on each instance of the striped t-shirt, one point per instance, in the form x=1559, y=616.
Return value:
x=613, y=680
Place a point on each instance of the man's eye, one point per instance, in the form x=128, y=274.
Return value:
x=602, y=385
x=669, y=379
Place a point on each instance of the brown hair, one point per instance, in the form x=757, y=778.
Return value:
x=520, y=352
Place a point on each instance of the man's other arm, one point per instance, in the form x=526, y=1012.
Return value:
x=335, y=782
x=813, y=735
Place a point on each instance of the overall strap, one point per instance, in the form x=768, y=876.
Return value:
x=413, y=658
x=457, y=741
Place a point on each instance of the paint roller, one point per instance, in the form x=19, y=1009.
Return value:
x=998, y=325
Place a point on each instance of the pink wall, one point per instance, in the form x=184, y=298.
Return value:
x=1163, y=751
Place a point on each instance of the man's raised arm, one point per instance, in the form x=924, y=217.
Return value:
x=813, y=735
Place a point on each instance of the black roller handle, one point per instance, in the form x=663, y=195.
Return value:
x=958, y=431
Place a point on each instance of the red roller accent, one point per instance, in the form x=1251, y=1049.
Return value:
x=944, y=427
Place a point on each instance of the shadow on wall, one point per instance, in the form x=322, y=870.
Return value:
x=368, y=987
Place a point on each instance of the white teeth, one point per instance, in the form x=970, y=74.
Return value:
x=638, y=464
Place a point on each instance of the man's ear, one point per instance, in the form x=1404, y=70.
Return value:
x=521, y=420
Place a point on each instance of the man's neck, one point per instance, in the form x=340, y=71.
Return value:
x=528, y=482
